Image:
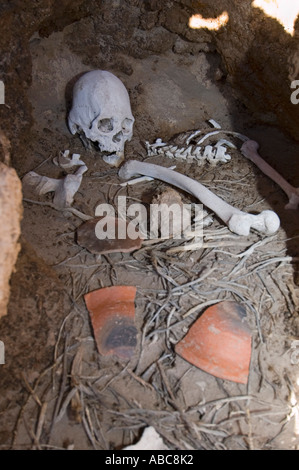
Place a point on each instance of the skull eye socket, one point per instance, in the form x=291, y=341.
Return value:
x=105, y=125
x=127, y=126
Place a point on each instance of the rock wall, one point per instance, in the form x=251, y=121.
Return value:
x=261, y=59
x=19, y=20
x=11, y=213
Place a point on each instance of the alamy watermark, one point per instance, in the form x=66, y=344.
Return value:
x=295, y=94
x=2, y=353
x=177, y=221
x=2, y=92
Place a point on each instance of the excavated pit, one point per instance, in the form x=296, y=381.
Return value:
x=56, y=390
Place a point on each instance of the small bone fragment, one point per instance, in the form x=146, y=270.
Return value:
x=180, y=154
x=197, y=153
x=194, y=134
x=42, y=184
x=203, y=219
x=222, y=142
x=214, y=124
x=152, y=148
x=168, y=154
x=249, y=150
x=237, y=221
x=209, y=153
x=64, y=189
x=115, y=159
x=65, y=193
x=186, y=153
x=159, y=143
x=191, y=152
x=221, y=154
x=64, y=161
x=150, y=440
x=210, y=134
x=142, y=179
x=220, y=131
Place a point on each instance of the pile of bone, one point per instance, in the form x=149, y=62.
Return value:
x=64, y=189
x=190, y=146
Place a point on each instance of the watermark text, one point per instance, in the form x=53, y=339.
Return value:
x=2, y=353
x=159, y=221
x=295, y=94
x=2, y=92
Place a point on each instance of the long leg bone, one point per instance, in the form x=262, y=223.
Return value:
x=249, y=150
x=238, y=222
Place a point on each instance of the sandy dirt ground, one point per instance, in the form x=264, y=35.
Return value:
x=56, y=390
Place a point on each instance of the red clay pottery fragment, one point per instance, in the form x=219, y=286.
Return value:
x=86, y=237
x=112, y=313
x=219, y=342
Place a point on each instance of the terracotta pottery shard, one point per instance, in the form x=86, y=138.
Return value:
x=87, y=238
x=112, y=313
x=219, y=342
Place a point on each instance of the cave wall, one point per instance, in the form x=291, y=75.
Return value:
x=11, y=214
x=19, y=20
x=261, y=60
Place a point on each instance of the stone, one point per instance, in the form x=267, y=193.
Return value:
x=11, y=215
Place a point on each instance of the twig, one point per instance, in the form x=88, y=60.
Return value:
x=65, y=404
x=140, y=380
x=41, y=421
x=196, y=281
x=249, y=250
x=86, y=419
x=221, y=401
x=202, y=245
x=250, y=438
x=41, y=164
x=166, y=383
x=169, y=317
x=63, y=209
x=264, y=264
x=62, y=386
x=30, y=389
x=200, y=306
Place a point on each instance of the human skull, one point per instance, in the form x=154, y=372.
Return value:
x=101, y=112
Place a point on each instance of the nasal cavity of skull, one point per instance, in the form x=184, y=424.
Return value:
x=105, y=125
x=117, y=137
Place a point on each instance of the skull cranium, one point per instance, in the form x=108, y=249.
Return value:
x=101, y=113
